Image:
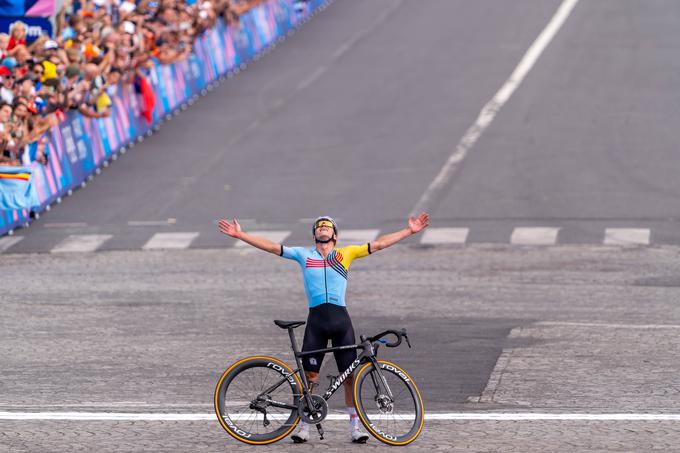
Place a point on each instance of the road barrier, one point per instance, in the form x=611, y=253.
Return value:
x=79, y=147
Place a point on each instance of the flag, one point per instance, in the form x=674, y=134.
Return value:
x=143, y=87
x=16, y=188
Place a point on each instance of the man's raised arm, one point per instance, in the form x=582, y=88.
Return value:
x=415, y=225
x=234, y=230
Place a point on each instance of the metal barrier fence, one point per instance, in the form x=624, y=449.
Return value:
x=79, y=146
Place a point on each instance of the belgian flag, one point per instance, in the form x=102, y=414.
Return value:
x=16, y=188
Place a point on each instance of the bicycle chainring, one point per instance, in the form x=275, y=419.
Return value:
x=319, y=412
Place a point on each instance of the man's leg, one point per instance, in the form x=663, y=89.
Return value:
x=312, y=380
x=355, y=431
x=344, y=359
x=313, y=339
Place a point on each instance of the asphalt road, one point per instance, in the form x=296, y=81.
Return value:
x=354, y=116
x=500, y=329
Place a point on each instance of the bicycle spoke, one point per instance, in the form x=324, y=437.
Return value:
x=245, y=388
x=397, y=418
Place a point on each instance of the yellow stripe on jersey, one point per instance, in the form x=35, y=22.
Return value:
x=352, y=252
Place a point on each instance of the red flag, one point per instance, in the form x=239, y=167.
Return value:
x=148, y=97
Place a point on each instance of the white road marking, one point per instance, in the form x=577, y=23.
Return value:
x=608, y=326
x=143, y=223
x=445, y=236
x=170, y=241
x=534, y=236
x=81, y=243
x=65, y=225
x=356, y=237
x=274, y=236
x=9, y=241
x=626, y=236
x=501, y=416
x=491, y=109
x=105, y=405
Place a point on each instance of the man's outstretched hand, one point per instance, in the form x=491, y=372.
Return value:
x=229, y=228
x=417, y=224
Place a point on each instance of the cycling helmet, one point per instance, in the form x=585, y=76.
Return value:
x=321, y=219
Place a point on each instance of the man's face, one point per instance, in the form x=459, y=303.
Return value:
x=21, y=110
x=324, y=231
x=38, y=70
x=27, y=88
x=5, y=113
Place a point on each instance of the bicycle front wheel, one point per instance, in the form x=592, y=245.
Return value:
x=396, y=419
x=248, y=397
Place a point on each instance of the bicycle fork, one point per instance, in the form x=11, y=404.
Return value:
x=376, y=384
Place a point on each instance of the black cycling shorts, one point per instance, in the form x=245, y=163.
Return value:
x=328, y=322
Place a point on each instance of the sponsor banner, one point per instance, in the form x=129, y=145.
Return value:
x=35, y=26
x=32, y=8
x=79, y=145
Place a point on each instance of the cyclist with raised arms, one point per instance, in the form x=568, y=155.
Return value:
x=324, y=269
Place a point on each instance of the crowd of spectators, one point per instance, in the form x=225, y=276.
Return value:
x=95, y=46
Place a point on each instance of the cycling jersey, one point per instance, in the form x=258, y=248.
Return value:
x=325, y=279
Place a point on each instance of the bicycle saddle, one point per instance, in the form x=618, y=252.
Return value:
x=288, y=324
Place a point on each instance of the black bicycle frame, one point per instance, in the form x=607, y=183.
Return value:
x=367, y=355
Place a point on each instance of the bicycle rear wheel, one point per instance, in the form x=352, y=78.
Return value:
x=397, y=420
x=245, y=411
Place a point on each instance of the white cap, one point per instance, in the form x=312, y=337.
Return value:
x=129, y=27
x=99, y=2
x=50, y=44
x=127, y=7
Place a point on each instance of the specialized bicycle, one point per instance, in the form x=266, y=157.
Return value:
x=259, y=400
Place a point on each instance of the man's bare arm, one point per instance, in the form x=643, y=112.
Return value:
x=415, y=225
x=234, y=230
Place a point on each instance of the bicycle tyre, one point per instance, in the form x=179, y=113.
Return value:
x=371, y=417
x=245, y=367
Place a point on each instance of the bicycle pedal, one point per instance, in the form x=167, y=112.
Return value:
x=320, y=429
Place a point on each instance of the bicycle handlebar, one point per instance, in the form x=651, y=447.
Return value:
x=398, y=333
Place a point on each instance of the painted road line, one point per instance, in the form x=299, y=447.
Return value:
x=436, y=189
x=65, y=225
x=274, y=236
x=81, y=243
x=626, y=236
x=170, y=241
x=497, y=416
x=351, y=237
x=147, y=223
x=534, y=236
x=445, y=236
x=9, y=241
x=608, y=326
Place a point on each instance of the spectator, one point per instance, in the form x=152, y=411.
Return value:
x=4, y=42
x=6, y=91
x=96, y=47
x=17, y=37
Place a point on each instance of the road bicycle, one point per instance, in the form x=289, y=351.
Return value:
x=259, y=400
